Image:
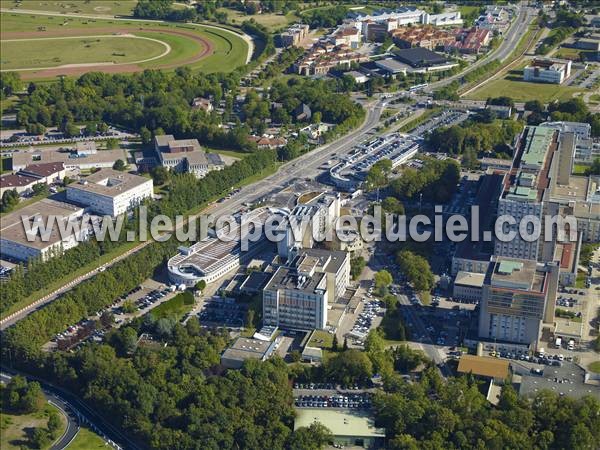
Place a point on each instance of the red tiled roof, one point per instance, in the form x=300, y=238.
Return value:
x=14, y=180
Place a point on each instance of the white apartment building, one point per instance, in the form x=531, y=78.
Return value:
x=553, y=71
x=110, y=192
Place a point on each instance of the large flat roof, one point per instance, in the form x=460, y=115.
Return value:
x=358, y=423
x=567, y=380
x=12, y=228
x=469, y=279
x=54, y=155
x=484, y=366
x=419, y=56
x=516, y=274
x=287, y=278
x=109, y=182
x=247, y=348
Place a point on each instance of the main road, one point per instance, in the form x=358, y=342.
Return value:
x=512, y=37
x=302, y=167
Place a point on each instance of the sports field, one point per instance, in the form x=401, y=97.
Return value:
x=43, y=47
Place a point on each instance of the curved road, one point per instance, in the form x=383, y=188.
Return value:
x=72, y=418
x=79, y=412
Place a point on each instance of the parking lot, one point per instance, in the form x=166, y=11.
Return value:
x=361, y=400
x=218, y=311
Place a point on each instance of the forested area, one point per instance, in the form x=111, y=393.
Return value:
x=436, y=180
x=470, y=139
x=460, y=417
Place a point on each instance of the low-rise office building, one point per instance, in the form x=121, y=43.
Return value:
x=186, y=155
x=244, y=349
x=39, y=236
x=110, y=192
x=546, y=70
x=71, y=159
x=468, y=286
x=354, y=428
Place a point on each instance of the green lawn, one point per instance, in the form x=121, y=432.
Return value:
x=580, y=169
x=232, y=153
x=87, y=440
x=594, y=367
x=182, y=48
x=270, y=20
x=322, y=339
x=104, y=7
x=522, y=91
x=14, y=428
x=26, y=54
x=175, y=307
x=580, y=280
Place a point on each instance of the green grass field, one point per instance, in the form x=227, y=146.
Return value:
x=511, y=86
x=87, y=440
x=230, y=50
x=104, y=7
x=271, y=21
x=14, y=428
x=322, y=339
x=26, y=54
x=175, y=307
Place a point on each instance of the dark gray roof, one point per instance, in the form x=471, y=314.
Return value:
x=214, y=158
x=419, y=57
x=567, y=380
